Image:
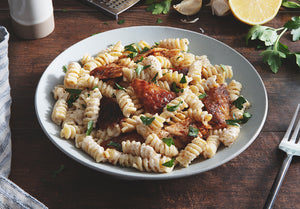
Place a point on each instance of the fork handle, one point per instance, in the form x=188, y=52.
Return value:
x=278, y=181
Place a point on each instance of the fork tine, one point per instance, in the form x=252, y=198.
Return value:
x=288, y=132
x=296, y=130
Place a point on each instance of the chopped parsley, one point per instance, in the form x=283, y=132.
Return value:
x=174, y=107
x=114, y=144
x=201, y=96
x=175, y=89
x=121, y=22
x=168, y=141
x=183, y=79
x=141, y=59
x=58, y=170
x=65, y=68
x=239, y=102
x=169, y=163
x=236, y=122
x=223, y=68
x=154, y=78
x=139, y=68
x=89, y=127
x=74, y=94
x=193, y=131
x=146, y=120
x=120, y=87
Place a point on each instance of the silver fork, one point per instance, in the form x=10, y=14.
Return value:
x=292, y=147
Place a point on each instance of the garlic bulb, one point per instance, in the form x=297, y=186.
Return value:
x=220, y=7
x=188, y=7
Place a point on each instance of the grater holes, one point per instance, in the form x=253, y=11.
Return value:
x=114, y=4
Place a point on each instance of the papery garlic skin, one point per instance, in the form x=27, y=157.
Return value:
x=220, y=7
x=188, y=7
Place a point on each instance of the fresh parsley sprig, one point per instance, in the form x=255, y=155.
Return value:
x=290, y=4
x=275, y=51
x=158, y=7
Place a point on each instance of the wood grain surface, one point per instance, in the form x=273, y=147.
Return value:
x=244, y=182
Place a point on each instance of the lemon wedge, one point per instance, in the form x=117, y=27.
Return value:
x=188, y=7
x=254, y=12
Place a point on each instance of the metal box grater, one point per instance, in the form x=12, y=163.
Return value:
x=113, y=7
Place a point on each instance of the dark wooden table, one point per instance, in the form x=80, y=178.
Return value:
x=244, y=182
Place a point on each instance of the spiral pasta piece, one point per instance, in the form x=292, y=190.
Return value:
x=195, y=71
x=191, y=151
x=212, y=145
x=110, y=132
x=177, y=43
x=125, y=103
x=142, y=164
x=234, y=89
x=230, y=134
x=92, y=107
x=69, y=131
x=165, y=62
x=183, y=60
x=239, y=113
x=88, y=144
x=129, y=124
x=154, y=127
x=59, y=112
x=161, y=147
x=139, y=149
x=72, y=75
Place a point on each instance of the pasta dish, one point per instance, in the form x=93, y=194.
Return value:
x=149, y=107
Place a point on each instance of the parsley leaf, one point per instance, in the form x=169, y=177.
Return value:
x=183, y=79
x=193, y=131
x=120, y=87
x=159, y=7
x=168, y=141
x=276, y=52
x=273, y=58
x=201, y=96
x=89, y=127
x=236, y=122
x=294, y=24
x=154, y=78
x=174, y=107
x=74, y=94
x=265, y=34
x=58, y=170
x=169, y=163
x=146, y=120
x=290, y=4
x=239, y=102
x=114, y=144
x=139, y=68
x=176, y=89
x=121, y=22
x=158, y=21
x=65, y=68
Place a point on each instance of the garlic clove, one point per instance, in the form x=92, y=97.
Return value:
x=220, y=7
x=188, y=7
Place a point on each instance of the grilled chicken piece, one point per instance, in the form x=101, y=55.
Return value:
x=107, y=71
x=180, y=132
x=109, y=114
x=217, y=103
x=158, y=52
x=153, y=97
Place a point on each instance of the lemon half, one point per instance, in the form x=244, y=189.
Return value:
x=254, y=12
